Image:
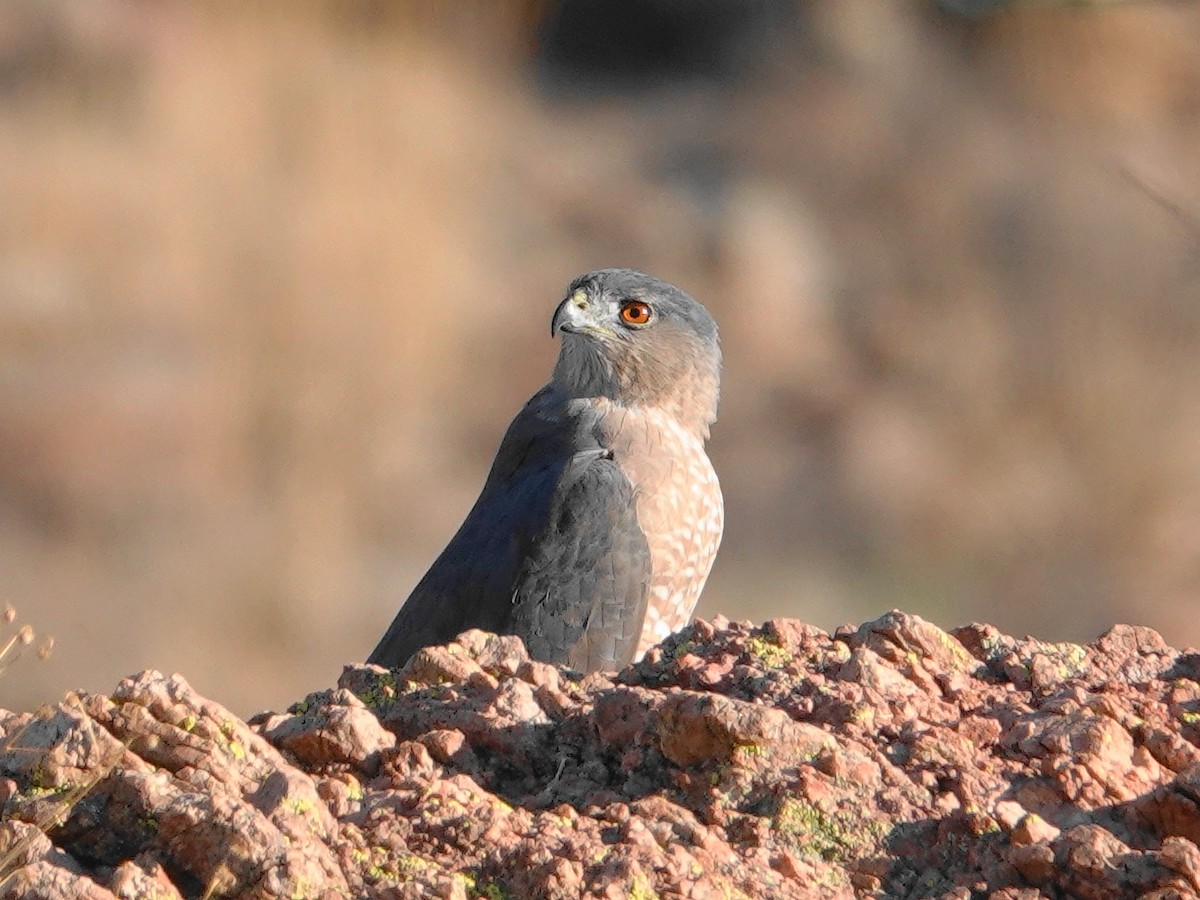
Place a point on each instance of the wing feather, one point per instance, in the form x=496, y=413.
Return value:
x=551, y=551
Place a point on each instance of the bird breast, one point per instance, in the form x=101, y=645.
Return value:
x=679, y=508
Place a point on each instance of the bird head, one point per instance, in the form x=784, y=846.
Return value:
x=639, y=341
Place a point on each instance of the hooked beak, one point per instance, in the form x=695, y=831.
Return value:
x=571, y=316
x=575, y=315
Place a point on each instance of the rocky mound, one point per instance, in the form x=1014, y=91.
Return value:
x=891, y=760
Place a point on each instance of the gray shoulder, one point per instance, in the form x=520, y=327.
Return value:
x=551, y=551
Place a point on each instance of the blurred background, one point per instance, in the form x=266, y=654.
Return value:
x=275, y=276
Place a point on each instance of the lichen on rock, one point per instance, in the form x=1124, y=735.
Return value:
x=894, y=759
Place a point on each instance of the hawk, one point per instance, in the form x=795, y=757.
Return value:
x=599, y=521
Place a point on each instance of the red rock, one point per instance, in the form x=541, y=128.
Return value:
x=1033, y=829
x=140, y=878
x=340, y=730
x=775, y=761
x=1182, y=857
x=1173, y=809
x=1008, y=813
x=1035, y=863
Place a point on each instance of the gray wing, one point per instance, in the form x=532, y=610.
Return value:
x=581, y=594
x=551, y=551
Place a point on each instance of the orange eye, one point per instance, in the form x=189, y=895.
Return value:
x=635, y=313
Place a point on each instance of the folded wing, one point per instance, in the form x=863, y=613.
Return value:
x=551, y=551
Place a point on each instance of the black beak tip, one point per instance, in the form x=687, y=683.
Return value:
x=558, y=321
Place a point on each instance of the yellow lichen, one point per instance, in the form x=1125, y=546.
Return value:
x=750, y=749
x=821, y=834
x=768, y=654
x=640, y=889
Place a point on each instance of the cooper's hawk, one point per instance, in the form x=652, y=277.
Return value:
x=598, y=524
